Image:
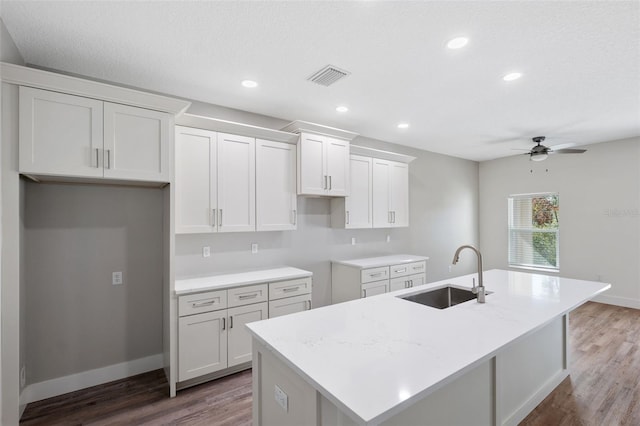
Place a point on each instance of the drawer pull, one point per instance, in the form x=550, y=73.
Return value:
x=202, y=304
x=376, y=274
x=247, y=296
x=415, y=268
x=290, y=289
x=397, y=271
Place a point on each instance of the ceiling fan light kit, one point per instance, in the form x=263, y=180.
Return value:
x=541, y=152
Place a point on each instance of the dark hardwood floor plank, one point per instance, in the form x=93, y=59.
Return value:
x=603, y=389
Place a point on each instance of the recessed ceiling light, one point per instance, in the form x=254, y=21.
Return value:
x=249, y=83
x=457, y=42
x=512, y=76
x=342, y=108
x=403, y=125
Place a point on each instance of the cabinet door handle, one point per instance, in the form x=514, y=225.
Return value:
x=202, y=304
x=364, y=292
x=411, y=281
x=389, y=216
x=330, y=185
x=97, y=158
x=295, y=217
x=230, y=322
x=347, y=217
x=248, y=296
x=224, y=323
x=393, y=215
x=309, y=305
x=108, y=151
x=220, y=218
x=213, y=217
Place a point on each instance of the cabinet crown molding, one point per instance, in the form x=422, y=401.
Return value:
x=225, y=126
x=378, y=153
x=299, y=126
x=47, y=80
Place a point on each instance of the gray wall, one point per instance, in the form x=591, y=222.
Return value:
x=599, y=212
x=75, y=237
x=443, y=215
x=8, y=50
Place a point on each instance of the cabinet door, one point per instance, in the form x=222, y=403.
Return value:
x=399, y=192
x=312, y=176
x=374, y=288
x=417, y=279
x=289, y=305
x=337, y=166
x=275, y=186
x=381, y=182
x=202, y=344
x=399, y=283
x=239, y=343
x=195, y=180
x=136, y=143
x=236, y=183
x=359, y=203
x=60, y=134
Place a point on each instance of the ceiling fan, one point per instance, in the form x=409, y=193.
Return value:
x=541, y=152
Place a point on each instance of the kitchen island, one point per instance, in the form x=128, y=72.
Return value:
x=386, y=360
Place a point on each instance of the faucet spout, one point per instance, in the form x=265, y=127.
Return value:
x=480, y=289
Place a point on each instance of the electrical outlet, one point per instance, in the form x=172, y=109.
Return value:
x=254, y=248
x=206, y=251
x=388, y=238
x=23, y=376
x=281, y=398
x=353, y=241
x=450, y=268
x=116, y=278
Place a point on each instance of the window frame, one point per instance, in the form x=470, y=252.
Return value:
x=532, y=229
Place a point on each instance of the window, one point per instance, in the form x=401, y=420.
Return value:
x=534, y=231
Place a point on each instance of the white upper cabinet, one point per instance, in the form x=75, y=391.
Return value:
x=236, y=183
x=276, y=208
x=356, y=210
x=215, y=181
x=66, y=135
x=323, y=165
x=196, y=180
x=60, y=134
x=136, y=143
x=390, y=194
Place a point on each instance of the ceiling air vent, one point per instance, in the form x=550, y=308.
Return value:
x=328, y=75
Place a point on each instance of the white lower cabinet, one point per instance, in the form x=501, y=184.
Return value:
x=239, y=340
x=212, y=336
x=374, y=288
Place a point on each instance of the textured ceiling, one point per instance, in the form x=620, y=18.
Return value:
x=580, y=60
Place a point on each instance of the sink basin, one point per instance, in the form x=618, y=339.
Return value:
x=443, y=297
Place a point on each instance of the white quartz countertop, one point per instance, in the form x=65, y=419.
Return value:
x=374, y=262
x=374, y=357
x=220, y=282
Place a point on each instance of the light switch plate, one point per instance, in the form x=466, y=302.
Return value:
x=206, y=251
x=281, y=398
x=116, y=278
x=388, y=238
x=254, y=248
x=353, y=241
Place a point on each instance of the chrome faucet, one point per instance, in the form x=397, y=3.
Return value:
x=479, y=290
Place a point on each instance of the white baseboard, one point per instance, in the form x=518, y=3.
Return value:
x=626, y=302
x=86, y=379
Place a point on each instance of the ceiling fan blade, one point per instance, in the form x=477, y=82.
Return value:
x=569, y=151
x=520, y=149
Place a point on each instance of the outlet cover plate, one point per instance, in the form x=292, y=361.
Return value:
x=116, y=278
x=281, y=398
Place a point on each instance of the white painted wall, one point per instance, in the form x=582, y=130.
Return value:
x=599, y=212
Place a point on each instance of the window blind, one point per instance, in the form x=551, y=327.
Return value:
x=534, y=231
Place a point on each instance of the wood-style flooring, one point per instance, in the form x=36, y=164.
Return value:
x=603, y=389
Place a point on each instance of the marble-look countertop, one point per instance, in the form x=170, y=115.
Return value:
x=387, y=353
x=223, y=281
x=375, y=262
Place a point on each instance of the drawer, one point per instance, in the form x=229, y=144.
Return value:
x=400, y=270
x=202, y=302
x=418, y=267
x=289, y=288
x=240, y=296
x=374, y=274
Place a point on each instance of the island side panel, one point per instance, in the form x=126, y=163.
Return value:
x=280, y=396
x=345, y=283
x=529, y=369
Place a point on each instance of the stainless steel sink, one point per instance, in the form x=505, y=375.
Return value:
x=443, y=297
